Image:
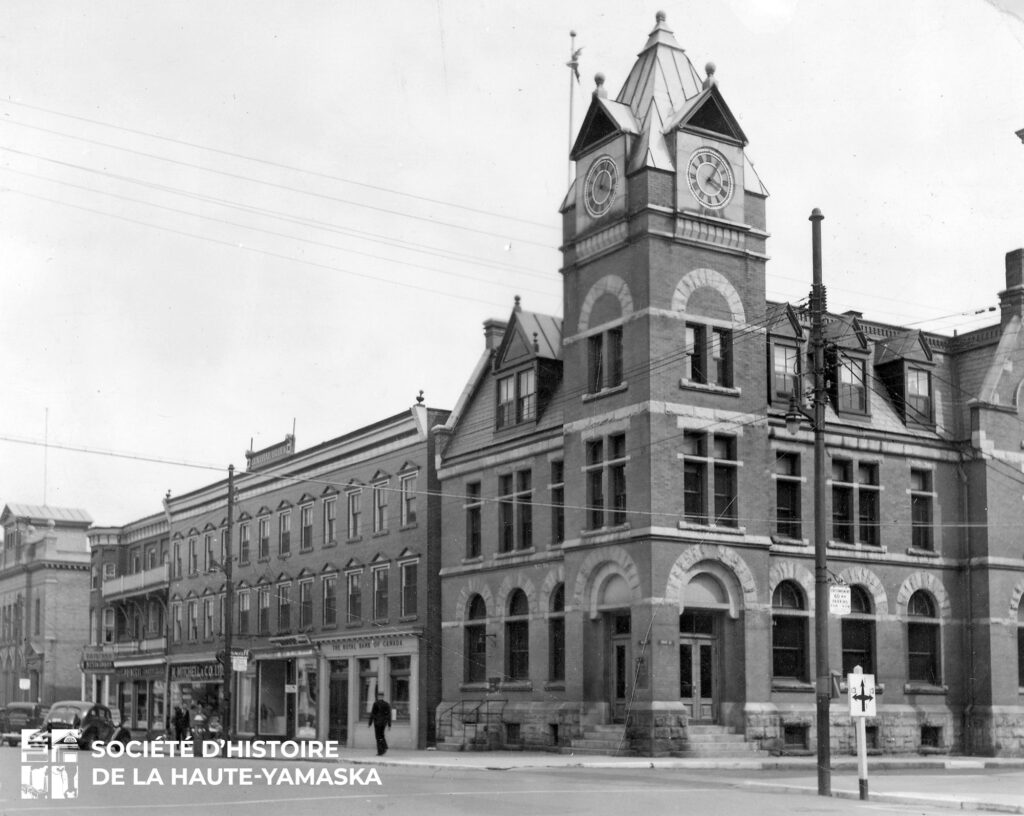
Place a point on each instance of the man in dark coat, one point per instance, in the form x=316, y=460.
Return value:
x=380, y=718
x=180, y=723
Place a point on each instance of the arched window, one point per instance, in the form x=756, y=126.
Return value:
x=923, y=640
x=556, y=635
x=789, y=632
x=1020, y=645
x=858, y=629
x=475, y=650
x=517, y=637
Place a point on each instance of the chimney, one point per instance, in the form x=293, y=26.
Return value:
x=494, y=332
x=1011, y=300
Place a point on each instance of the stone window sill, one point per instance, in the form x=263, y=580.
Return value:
x=515, y=685
x=922, y=553
x=783, y=684
x=709, y=388
x=606, y=392
x=924, y=688
x=712, y=528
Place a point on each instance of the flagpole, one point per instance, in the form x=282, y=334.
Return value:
x=573, y=73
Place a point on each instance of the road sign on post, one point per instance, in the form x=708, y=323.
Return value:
x=861, y=690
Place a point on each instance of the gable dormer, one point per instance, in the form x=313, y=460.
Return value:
x=785, y=355
x=904, y=365
x=527, y=366
x=846, y=365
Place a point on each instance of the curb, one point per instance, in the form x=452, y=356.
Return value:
x=890, y=798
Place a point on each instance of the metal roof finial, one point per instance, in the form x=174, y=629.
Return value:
x=711, y=80
x=517, y=307
x=659, y=17
x=600, y=91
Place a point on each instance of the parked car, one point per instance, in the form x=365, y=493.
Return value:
x=22, y=715
x=93, y=721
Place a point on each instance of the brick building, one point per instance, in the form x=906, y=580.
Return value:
x=626, y=551
x=44, y=602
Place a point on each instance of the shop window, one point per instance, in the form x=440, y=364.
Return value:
x=305, y=604
x=921, y=497
x=557, y=488
x=789, y=632
x=354, y=595
x=380, y=593
x=354, y=501
x=368, y=683
x=330, y=521
x=858, y=633
x=923, y=640
x=714, y=475
x=409, y=572
x=604, y=360
x=306, y=527
x=515, y=511
x=330, y=600
x=284, y=533
x=407, y=496
x=788, y=484
x=401, y=672
x=556, y=635
x=474, y=510
x=284, y=607
x=517, y=637
x=475, y=641
x=380, y=507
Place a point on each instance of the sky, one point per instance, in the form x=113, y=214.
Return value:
x=222, y=221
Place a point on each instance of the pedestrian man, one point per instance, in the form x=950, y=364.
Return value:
x=380, y=718
x=180, y=723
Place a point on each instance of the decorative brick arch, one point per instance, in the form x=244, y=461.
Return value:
x=508, y=586
x=475, y=586
x=553, y=578
x=791, y=571
x=594, y=572
x=692, y=281
x=608, y=285
x=923, y=580
x=736, y=576
x=866, y=578
x=1015, y=598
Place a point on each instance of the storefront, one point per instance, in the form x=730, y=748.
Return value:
x=140, y=694
x=355, y=668
x=278, y=694
x=196, y=686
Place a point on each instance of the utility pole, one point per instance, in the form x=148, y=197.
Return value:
x=823, y=686
x=229, y=597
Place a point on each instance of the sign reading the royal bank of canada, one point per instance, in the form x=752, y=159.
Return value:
x=861, y=691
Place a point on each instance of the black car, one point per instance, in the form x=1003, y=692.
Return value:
x=93, y=721
x=19, y=716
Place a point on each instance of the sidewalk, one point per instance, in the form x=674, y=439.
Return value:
x=963, y=783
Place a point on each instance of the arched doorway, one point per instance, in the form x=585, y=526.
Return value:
x=617, y=622
x=701, y=627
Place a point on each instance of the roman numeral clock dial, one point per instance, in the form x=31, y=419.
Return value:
x=600, y=186
x=710, y=178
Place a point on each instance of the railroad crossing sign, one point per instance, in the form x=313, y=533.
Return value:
x=861, y=688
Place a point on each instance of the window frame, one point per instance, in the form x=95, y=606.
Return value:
x=306, y=527
x=924, y=639
x=329, y=599
x=407, y=498
x=790, y=617
x=515, y=397
x=380, y=579
x=354, y=597
x=473, y=506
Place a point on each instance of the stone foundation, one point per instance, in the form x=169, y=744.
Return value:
x=996, y=731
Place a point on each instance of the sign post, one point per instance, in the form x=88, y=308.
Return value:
x=861, y=688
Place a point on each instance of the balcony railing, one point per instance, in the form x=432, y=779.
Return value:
x=126, y=647
x=139, y=582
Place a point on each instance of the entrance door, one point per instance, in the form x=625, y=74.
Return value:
x=621, y=680
x=337, y=713
x=698, y=665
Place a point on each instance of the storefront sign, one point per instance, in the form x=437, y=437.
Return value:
x=103, y=665
x=372, y=643
x=197, y=671
x=153, y=671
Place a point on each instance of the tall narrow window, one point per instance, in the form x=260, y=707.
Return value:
x=842, y=500
x=788, y=484
x=243, y=612
x=264, y=543
x=409, y=578
x=474, y=508
x=407, y=493
x=207, y=618
x=380, y=593
x=789, y=632
x=475, y=641
x=506, y=408
x=595, y=484
x=193, y=557
x=354, y=502
x=595, y=363
x=526, y=396
x=556, y=635
x=330, y=600
x=263, y=612
x=695, y=476
x=193, y=620
x=306, y=525
x=919, y=396
x=243, y=543
x=1020, y=646
x=557, y=502
x=785, y=370
x=604, y=360
x=517, y=637
x=284, y=533
x=923, y=639
x=380, y=507
x=506, y=518
x=869, y=504
x=725, y=467
x=858, y=631
x=606, y=481
x=696, y=350
x=921, y=509
x=284, y=607
x=524, y=509
x=721, y=357
x=330, y=520
x=209, y=560
x=305, y=603
x=354, y=608
x=851, y=393
x=108, y=623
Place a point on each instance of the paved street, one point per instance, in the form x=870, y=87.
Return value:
x=409, y=784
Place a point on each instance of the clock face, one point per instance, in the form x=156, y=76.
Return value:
x=600, y=185
x=710, y=178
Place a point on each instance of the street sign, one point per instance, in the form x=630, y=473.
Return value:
x=861, y=690
x=839, y=599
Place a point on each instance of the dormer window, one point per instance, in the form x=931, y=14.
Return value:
x=785, y=371
x=919, y=395
x=517, y=398
x=904, y=365
x=851, y=396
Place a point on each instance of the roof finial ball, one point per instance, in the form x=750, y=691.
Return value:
x=599, y=82
x=711, y=80
x=659, y=16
